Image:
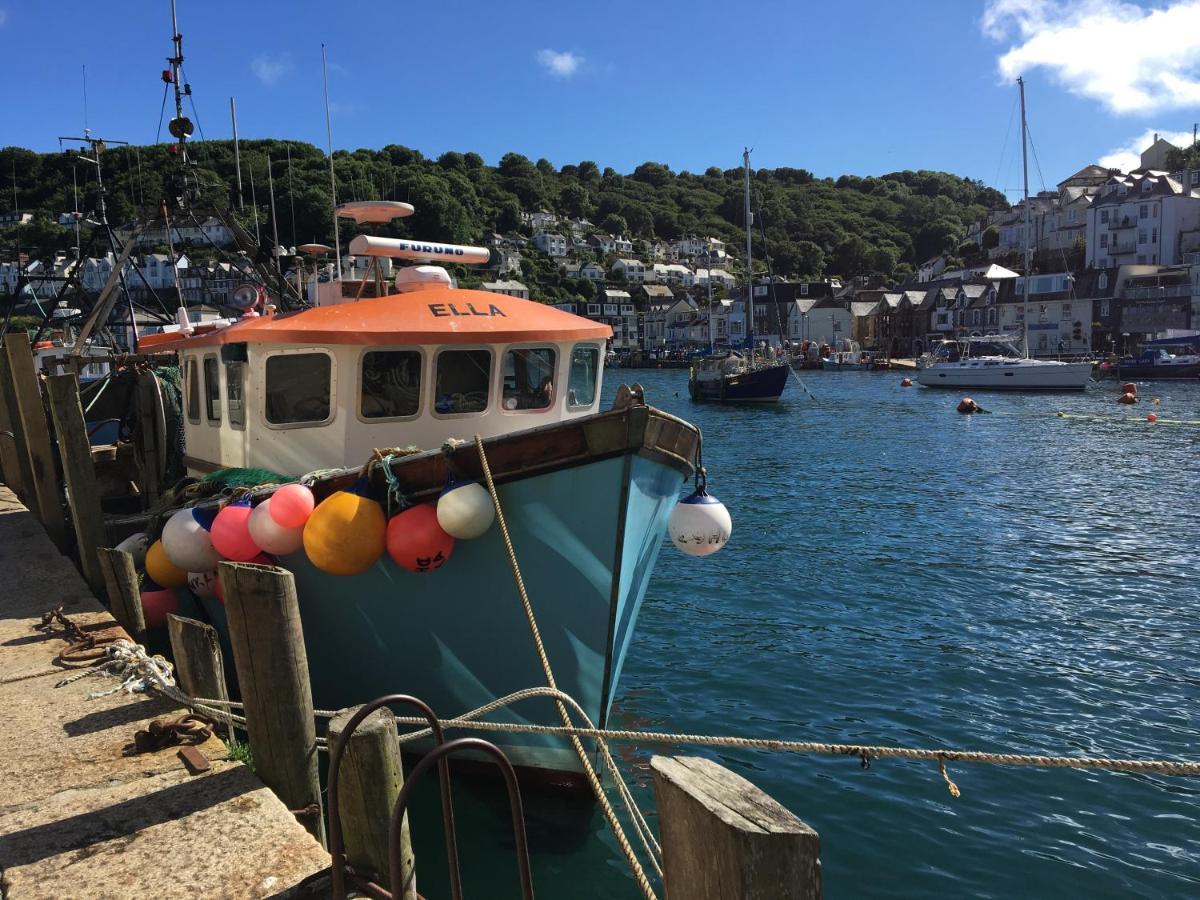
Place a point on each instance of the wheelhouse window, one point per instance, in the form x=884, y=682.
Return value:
x=212, y=389
x=391, y=384
x=583, y=376
x=298, y=388
x=462, y=381
x=235, y=393
x=529, y=378
x=193, y=391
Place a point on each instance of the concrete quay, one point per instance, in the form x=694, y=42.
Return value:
x=83, y=817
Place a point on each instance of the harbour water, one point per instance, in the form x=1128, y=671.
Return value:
x=901, y=574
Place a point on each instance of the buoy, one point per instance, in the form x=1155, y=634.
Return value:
x=261, y=560
x=905, y=382
x=157, y=603
x=1129, y=387
x=292, y=504
x=136, y=546
x=272, y=537
x=1061, y=415
x=203, y=584
x=966, y=406
x=231, y=532
x=700, y=524
x=1152, y=418
x=186, y=539
x=346, y=533
x=465, y=510
x=1157, y=402
x=416, y=541
x=1127, y=398
x=161, y=570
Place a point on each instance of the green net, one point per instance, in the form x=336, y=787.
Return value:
x=170, y=385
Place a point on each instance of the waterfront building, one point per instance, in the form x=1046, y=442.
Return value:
x=1144, y=218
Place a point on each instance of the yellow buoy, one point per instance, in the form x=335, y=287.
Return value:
x=346, y=533
x=161, y=570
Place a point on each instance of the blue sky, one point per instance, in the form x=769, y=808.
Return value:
x=856, y=86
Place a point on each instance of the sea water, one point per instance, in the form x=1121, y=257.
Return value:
x=902, y=574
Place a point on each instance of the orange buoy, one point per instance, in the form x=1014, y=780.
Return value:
x=1157, y=402
x=966, y=406
x=905, y=382
x=1129, y=388
x=1152, y=418
x=1127, y=398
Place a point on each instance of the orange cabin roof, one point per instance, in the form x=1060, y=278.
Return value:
x=436, y=316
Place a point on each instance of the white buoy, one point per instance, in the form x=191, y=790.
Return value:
x=271, y=537
x=203, y=584
x=700, y=524
x=187, y=542
x=465, y=510
x=136, y=546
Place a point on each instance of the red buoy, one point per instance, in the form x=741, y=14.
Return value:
x=1152, y=418
x=905, y=382
x=1127, y=398
x=1129, y=388
x=966, y=406
x=415, y=540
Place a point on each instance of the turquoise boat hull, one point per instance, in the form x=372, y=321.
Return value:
x=587, y=530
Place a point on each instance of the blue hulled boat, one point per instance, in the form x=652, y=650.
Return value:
x=586, y=494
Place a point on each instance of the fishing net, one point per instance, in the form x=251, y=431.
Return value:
x=170, y=385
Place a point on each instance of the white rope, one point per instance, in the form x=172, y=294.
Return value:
x=139, y=670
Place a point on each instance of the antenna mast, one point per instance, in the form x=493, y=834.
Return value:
x=180, y=127
x=337, y=242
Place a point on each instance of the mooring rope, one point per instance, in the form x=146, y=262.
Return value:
x=610, y=814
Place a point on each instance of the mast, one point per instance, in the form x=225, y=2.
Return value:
x=237, y=153
x=274, y=219
x=1028, y=227
x=337, y=242
x=749, y=260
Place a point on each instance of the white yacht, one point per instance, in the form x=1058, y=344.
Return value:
x=995, y=363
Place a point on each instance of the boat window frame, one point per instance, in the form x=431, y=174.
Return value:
x=240, y=368
x=191, y=382
x=425, y=377
x=493, y=381
x=333, y=396
x=596, y=386
x=212, y=396
x=556, y=349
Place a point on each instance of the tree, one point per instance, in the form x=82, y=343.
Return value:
x=991, y=238
x=574, y=200
x=509, y=217
x=614, y=224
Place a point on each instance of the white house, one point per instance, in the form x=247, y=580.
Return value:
x=592, y=272
x=630, y=269
x=1143, y=218
x=551, y=243
x=1059, y=321
x=822, y=320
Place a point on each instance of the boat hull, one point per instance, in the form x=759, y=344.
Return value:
x=763, y=385
x=1155, y=373
x=1019, y=376
x=587, y=522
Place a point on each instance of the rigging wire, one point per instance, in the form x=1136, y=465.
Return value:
x=161, y=113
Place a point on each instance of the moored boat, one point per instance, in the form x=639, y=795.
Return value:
x=994, y=363
x=586, y=494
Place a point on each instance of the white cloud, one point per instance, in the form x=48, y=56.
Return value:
x=1131, y=59
x=269, y=70
x=560, y=64
x=1128, y=156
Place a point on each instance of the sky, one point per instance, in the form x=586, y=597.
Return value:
x=860, y=87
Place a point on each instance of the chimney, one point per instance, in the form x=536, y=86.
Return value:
x=1156, y=137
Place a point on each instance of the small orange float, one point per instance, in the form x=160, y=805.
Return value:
x=1152, y=418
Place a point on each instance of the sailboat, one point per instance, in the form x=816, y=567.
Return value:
x=994, y=362
x=733, y=377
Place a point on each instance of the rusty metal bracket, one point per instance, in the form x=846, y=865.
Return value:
x=190, y=728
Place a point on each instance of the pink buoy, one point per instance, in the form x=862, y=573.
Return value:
x=415, y=540
x=231, y=532
x=291, y=505
x=157, y=604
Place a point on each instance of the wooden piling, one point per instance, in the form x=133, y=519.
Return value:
x=12, y=459
x=199, y=666
x=123, y=589
x=370, y=778
x=724, y=839
x=28, y=412
x=272, y=669
x=79, y=473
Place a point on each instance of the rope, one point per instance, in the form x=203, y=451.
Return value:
x=609, y=813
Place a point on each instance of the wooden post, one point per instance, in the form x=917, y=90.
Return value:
x=10, y=468
x=124, y=593
x=19, y=470
x=272, y=670
x=32, y=413
x=724, y=839
x=369, y=782
x=79, y=472
x=150, y=454
x=198, y=663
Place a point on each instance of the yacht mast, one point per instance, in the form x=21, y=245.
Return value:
x=237, y=153
x=1028, y=227
x=749, y=305
x=337, y=242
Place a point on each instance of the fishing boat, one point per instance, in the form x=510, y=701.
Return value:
x=586, y=493
x=733, y=377
x=846, y=357
x=994, y=363
x=1172, y=358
